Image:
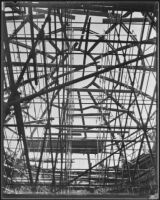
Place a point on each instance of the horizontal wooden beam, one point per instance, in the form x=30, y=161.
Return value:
x=87, y=114
x=91, y=146
x=98, y=90
x=102, y=40
x=122, y=20
x=22, y=17
x=49, y=65
x=66, y=15
x=79, y=126
x=99, y=6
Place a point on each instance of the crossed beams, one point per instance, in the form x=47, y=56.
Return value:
x=60, y=62
x=29, y=98
x=15, y=95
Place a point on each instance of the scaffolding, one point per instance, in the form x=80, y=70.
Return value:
x=80, y=97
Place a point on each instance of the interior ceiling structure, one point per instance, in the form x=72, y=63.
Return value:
x=80, y=96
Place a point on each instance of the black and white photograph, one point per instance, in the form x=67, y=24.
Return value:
x=80, y=100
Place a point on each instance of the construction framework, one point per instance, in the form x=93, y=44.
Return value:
x=80, y=97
